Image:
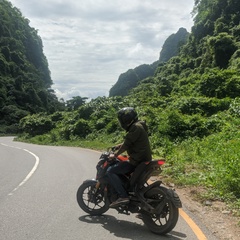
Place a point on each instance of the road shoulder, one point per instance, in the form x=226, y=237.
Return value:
x=215, y=215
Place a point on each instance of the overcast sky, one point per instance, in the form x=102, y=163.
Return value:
x=89, y=43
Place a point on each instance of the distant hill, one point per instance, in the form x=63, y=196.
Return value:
x=25, y=81
x=172, y=44
x=132, y=77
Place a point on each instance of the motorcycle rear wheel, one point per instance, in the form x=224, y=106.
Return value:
x=90, y=199
x=163, y=222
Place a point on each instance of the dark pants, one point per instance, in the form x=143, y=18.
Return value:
x=120, y=168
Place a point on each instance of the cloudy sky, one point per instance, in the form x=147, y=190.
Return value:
x=89, y=43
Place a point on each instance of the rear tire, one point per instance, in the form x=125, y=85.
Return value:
x=90, y=199
x=164, y=221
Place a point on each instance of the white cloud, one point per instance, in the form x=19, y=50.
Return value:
x=88, y=44
x=136, y=50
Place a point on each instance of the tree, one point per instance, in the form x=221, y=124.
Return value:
x=223, y=47
x=75, y=103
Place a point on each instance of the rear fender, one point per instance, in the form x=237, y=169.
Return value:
x=174, y=198
x=153, y=185
x=141, y=195
x=170, y=194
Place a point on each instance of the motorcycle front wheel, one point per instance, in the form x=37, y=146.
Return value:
x=91, y=199
x=164, y=221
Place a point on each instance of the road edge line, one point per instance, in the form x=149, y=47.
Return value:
x=198, y=232
x=37, y=160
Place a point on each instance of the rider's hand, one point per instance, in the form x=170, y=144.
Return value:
x=112, y=156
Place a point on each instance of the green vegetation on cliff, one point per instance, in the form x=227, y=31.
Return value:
x=24, y=75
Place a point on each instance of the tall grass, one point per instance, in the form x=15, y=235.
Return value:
x=212, y=162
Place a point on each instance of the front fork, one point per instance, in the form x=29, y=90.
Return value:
x=97, y=186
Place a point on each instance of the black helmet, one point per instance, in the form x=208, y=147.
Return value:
x=127, y=116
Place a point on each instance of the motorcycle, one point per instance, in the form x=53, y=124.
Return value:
x=157, y=206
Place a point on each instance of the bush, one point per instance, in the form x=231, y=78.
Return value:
x=220, y=84
x=235, y=107
x=36, y=124
x=81, y=128
x=202, y=105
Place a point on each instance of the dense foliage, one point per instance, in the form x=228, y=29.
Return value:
x=24, y=75
x=191, y=105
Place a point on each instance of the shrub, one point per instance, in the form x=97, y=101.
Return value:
x=81, y=128
x=235, y=107
x=36, y=124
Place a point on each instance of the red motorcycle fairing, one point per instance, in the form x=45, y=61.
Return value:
x=122, y=158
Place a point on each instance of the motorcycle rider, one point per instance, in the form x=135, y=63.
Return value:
x=136, y=144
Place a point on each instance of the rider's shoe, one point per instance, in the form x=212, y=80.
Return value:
x=119, y=201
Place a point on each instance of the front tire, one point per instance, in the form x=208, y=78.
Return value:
x=164, y=221
x=90, y=199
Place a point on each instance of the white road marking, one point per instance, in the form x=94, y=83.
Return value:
x=30, y=173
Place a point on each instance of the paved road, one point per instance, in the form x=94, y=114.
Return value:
x=38, y=185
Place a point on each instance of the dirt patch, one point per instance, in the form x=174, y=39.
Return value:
x=215, y=215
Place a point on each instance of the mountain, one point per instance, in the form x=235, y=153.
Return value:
x=173, y=44
x=25, y=81
x=132, y=77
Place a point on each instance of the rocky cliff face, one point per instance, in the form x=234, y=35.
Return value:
x=172, y=44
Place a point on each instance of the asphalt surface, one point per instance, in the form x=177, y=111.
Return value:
x=38, y=187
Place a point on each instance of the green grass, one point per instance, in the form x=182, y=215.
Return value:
x=47, y=139
x=212, y=163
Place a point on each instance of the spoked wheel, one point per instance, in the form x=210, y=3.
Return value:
x=166, y=219
x=90, y=199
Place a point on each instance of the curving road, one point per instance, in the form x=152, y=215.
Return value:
x=38, y=185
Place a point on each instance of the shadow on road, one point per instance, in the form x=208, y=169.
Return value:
x=129, y=230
